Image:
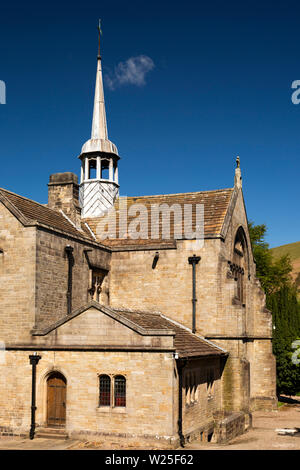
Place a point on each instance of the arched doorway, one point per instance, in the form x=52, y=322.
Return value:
x=56, y=400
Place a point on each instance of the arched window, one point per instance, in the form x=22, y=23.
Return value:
x=120, y=390
x=240, y=262
x=104, y=390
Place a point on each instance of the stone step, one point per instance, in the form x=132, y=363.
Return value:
x=50, y=436
x=51, y=433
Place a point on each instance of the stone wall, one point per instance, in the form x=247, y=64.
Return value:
x=168, y=287
x=220, y=316
x=92, y=327
x=251, y=364
x=34, y=276
x=150, y=382
x=263, y=376
x=201, y=399
x=52, y=275
x=231, y=426
x=17, y=278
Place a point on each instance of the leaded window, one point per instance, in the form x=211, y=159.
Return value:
x=104, y=389
x=120, y=390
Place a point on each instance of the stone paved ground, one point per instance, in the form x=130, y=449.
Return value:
x=18, y=443
x=262, y=436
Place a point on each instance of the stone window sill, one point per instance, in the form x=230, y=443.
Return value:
x=111, y=409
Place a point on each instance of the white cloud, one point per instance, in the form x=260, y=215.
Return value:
x=133, y=71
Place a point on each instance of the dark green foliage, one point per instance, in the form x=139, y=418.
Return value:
x=281, y=299
x=286, y=320
x=272, y=274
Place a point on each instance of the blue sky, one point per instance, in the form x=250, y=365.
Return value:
x=220, y=87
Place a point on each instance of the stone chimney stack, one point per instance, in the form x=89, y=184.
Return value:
x=63, y=195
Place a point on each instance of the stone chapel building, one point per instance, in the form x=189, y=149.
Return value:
x=153, y=340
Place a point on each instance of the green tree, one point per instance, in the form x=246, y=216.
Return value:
x=273, y=274
x=286, y=314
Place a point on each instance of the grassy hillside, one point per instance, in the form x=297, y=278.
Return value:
x=292, y=249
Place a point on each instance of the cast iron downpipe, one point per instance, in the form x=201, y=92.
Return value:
x=155, y=259
x=181, y=363
x=69, y=251
x=34, y=359
x=193, y=260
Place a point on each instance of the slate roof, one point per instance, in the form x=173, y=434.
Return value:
x=215, y=203
x=186, y=343
x=33, y=212
x=215, y=208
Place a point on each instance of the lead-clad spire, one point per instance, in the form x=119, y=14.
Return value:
x=99, y=136
x=99, y=126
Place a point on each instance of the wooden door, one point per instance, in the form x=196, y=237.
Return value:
x=56, y=400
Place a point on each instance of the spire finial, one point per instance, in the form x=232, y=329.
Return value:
x=100, y=32
x=238, y=174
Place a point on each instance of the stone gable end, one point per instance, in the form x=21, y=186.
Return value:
x=94, y=327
